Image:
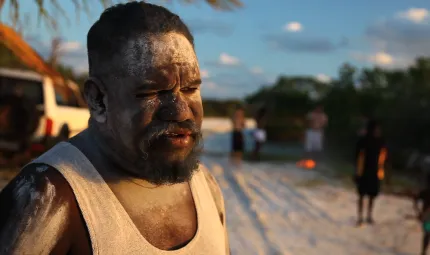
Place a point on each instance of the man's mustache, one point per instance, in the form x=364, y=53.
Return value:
x=157, y=130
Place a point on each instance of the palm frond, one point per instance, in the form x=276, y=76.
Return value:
x=83, y=6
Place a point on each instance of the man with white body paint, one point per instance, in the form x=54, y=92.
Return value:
x=131, y=183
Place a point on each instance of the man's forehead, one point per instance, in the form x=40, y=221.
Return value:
x=154, y=51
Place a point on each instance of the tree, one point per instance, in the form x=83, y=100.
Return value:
x=54, y=55
x=83, y=5
x=347, y=75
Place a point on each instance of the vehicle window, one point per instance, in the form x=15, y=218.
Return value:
x=73, y=102
x=30, y=89
x=62, y=101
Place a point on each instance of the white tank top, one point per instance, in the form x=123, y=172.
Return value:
x=111, y=229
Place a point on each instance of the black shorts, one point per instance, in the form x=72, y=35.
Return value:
x=237, y=141
x=368, y=187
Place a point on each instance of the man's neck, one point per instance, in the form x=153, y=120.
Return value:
x=97, y=148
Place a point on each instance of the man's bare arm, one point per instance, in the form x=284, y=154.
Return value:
x=219, y=202
x=35, y=212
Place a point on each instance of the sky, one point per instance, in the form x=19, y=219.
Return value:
x=241, y=50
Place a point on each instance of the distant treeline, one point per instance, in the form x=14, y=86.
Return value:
x=221, y=108
x=399, y=99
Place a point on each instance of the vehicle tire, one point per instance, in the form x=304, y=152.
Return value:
x=64, y=134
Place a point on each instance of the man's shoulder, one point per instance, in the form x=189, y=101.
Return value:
x=38, y=200
x=39, y=181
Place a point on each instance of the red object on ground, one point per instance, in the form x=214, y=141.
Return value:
x=307, y=164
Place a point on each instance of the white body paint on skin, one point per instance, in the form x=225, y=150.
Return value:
x=41, y=169
x=158, y=51
x=145, y=53
x=42, y=223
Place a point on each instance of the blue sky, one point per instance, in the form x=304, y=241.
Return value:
x=241, y=50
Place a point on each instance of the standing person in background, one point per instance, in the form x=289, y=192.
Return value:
x=238, y=121
x=260, y=132
x=371, y=154
x=317, y=121
x=362, y=126
x=424, y=214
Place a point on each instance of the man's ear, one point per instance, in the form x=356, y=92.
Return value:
x=96, y=96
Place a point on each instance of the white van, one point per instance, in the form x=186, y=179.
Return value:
x=64, y=112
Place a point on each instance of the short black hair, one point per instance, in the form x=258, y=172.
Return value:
x=122, y=22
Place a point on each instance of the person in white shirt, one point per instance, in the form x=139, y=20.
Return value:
x=260, y=132
x=314, y=137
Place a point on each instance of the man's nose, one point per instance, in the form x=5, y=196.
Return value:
x=175, y=108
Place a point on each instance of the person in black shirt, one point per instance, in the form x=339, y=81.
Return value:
x=237, y=139
x=424, y=213
x=371, y=153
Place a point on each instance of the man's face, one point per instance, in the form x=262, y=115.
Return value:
x=155, y=113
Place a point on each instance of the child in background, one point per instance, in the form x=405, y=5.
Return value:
x=371, y=154
x=237, y=139
x=424, y=213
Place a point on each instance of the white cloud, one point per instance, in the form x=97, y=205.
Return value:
x=323, y=78
x=379, y=58
x=70, y=46
x=382, y=58
x=416, y=15
x=226, y=59
x=211, y=85
x=398, y=40
x=293, y=27
x=256, y=70
x=204, y=74
x=72, y=53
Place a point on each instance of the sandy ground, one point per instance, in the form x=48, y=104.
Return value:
x=281, y=209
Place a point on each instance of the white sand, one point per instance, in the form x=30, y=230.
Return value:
x=270, y=212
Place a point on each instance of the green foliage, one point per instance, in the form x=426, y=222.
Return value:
x=47, y=9
x=220, y=108
x=399, y=99
x=288, y=101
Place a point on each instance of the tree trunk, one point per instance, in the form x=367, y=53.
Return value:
x=2, y=4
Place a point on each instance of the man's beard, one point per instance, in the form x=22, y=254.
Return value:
x=153, y=163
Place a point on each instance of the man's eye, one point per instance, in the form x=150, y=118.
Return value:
x=145, y=95
x=188, y=90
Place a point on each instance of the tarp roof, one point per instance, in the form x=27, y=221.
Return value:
x=12, y=40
